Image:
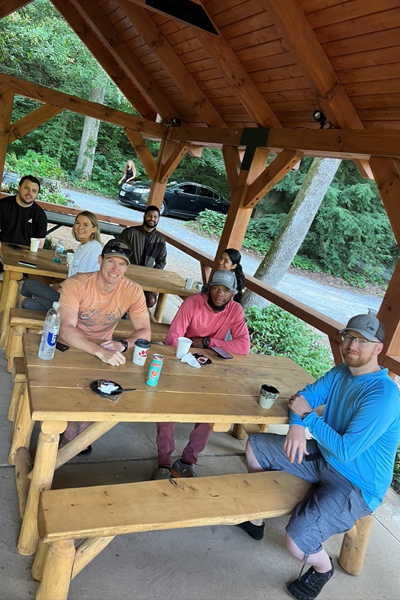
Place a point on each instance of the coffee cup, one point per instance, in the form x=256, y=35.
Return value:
x=183, y=347
x=189, y=283
x=140, y=352
x=35, y=244
x=268, y=395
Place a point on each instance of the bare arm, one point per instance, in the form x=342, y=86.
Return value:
x=75, y=337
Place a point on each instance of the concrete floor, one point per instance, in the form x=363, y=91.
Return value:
x=191, y=564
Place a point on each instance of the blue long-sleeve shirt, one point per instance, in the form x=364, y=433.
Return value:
x=359, y=431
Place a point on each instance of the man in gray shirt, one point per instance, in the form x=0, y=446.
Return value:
x=148, y=245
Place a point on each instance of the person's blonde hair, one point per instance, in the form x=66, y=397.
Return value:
x=95, y=223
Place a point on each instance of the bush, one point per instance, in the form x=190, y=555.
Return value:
x=279, y=333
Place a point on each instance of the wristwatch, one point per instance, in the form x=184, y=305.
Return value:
x=125, y=345
x=206, y=342
x=304, y=415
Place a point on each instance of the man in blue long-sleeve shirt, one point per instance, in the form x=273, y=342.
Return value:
x=350, y=458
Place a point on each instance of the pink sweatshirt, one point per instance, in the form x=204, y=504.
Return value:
x=196, y=319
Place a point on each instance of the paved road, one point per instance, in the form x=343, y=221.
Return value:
x=337, y=304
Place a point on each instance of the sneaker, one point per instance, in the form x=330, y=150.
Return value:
x=309, y=585
x=162, y=473
x=180, y=469
x=254, y=531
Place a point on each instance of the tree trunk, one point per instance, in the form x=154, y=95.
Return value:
x=90, y=132
x=305, y=206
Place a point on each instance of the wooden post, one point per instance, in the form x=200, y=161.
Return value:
x=18, y=391
x=14, y=346
x=39, y=562
x=87, y=551
x=9, y=302
x=23, y=427
x=23, y=465
x=6, y=106
x=354, y=546
x=57, y=571
x=82, y=441
x=42, y=479
x=159, y=184
x=160, y=307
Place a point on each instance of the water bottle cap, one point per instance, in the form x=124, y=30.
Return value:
x=56, y=305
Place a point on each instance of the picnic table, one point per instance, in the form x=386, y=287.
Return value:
x=154, y=280
x=58, y=391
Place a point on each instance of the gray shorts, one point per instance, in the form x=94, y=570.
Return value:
x=333, y=508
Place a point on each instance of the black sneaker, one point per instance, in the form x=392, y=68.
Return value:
x=254, y=531
x=180, y=469
x=309, y=585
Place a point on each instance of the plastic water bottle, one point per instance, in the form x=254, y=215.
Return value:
x=59, y=252
x=50, y=332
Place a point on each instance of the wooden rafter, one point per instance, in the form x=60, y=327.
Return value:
x=232, y=162
x=172, y=162
x=6, y=105
x=9, y=6
x=81, y=106
x=276, y=170
x=110, y=66
x=34, y=119
x=121, y=53
x=172, y=63
x=333, y=143
x=142, y=151
x=300, y=37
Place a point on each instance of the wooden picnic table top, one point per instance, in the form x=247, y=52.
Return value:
x=225, y=391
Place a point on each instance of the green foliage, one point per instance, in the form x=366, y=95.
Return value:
x=32, y=163
x=396, y=472
x=277, y=332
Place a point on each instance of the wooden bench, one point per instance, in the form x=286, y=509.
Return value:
x=98, y=514
x=22, y=319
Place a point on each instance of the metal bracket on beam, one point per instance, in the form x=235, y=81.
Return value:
x=252, y=138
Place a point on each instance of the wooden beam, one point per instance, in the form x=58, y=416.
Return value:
x=247, y=92
x=276, y=170
x=195, y=151
x=172, y=162
x=110, y=66
x=238, y=216
x=82, y=107
x=6, y=106
x=125, y=58
x=9, y=6
x=34, y=119
x=331, y=143
x=172, y=63
x=142, y=151
x=232, y=162
x=316, y=66
x=158, y=186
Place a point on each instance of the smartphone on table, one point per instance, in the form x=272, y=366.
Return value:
x=220, y=352
x=61, y=347
x=25, y=263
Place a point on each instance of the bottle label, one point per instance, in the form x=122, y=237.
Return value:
x=51, y=338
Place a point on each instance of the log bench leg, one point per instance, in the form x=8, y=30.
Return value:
x=10, y=301
x=14, y=346
x=22, y=428
x=160, y=306
x=57, y=571
x=42, y=478
x=16, y=396
x=240, y=431
x=87, y=551
x=23, y=465
x=354, y=546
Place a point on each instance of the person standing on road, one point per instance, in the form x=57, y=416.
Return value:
x=350, y=459
x=147, y=245
x=129, y=173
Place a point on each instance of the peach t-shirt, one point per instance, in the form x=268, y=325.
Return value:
x=99, y=313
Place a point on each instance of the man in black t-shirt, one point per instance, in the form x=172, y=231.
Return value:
x=20, y=217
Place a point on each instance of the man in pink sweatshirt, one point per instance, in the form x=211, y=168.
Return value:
x=211, y=319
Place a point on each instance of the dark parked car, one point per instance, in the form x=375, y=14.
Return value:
x=184, y=200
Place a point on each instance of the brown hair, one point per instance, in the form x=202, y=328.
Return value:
x=93, y=219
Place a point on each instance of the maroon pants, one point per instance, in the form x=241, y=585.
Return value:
x=166, y=445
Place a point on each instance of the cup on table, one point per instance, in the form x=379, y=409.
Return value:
x=268, y=395
x=140, y=351
x=70, y=257
x=189, y=283
x=35, y=244
x=183, y=347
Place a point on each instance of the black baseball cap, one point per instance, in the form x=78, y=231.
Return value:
x=117, y=248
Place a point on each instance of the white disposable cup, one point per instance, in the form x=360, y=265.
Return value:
x=35, y=244
x=140, y=352
x=70, y=257
x=268, y=395
x=189, y=283
x=183, y=347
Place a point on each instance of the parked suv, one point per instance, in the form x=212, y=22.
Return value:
x=184, y=200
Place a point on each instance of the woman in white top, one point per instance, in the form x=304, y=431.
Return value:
x=86, y=230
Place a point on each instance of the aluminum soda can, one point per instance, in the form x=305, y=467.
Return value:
x=153, y=374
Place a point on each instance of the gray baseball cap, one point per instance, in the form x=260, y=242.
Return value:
x=369, y=326
x=226, y=278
